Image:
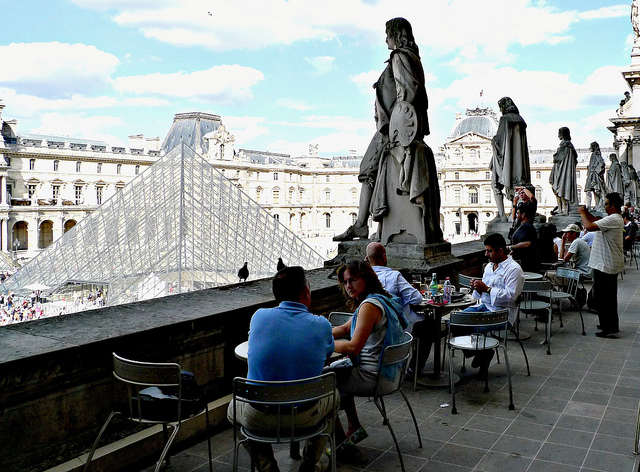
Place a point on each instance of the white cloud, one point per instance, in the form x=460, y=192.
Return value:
x=55, y=69
x=79, y=126
x=614, y=11
x=226, y=84
x=365, y=80
x=293, y=104
x=245, y=129
x=322, y=64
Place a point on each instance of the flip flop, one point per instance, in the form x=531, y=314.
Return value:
x=359, y=435
x=346, y=446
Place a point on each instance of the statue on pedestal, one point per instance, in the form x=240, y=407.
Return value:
x=633, y=186
x=614, y=176
x=563, y=174
x=398, y=171
x=510, y=161
x=595, y=178
x=635, y=20
x=626, y=182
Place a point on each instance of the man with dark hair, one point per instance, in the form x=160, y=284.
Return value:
x=630, y=231
x=286, y=343
x=499, y=288
x=524, y=242
x=607, y=260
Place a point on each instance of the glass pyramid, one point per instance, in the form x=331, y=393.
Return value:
x=177, y=227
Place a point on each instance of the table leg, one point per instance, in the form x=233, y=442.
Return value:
x=438, y=378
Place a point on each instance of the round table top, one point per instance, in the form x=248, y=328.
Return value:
x=532, y=276
x=468, y=300
x=242, y=351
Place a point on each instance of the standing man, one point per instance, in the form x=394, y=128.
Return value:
x=394, y=283
x=524, y=242
x=607, y=260
x=286, y=343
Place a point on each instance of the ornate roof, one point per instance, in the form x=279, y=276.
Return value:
x=478, y=120
x=190, y=129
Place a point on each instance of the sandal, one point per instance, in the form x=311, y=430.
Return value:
x=359, y=435
x=346, y=446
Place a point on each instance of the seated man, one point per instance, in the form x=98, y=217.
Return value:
x=394, y=283
x=499, y=288
x=630, y=231
x=286, y=343
x=579, y=251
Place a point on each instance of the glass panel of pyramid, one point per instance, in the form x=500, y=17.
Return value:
x=177, y=227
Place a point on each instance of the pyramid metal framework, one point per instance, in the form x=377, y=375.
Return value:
x=177, y=227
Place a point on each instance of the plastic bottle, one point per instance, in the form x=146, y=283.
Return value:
x=447, y=291
x=433, y=287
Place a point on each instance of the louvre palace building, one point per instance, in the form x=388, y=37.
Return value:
x=49, y=183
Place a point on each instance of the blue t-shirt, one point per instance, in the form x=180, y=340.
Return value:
x=288, y=343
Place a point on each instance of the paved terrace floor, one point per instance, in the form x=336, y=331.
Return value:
x=576, y=412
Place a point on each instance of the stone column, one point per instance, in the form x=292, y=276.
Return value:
x=4, y=230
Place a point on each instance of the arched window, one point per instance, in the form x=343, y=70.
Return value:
x=327, y=220
x=456, y=176
x=473, y=195
x=32, y=164
x=99, y=195
x=137, y=170
x=327, y=195
x=456, y=195
x=303, y=220
x=539, y=194
x=69, y=224
x=46, y=234
x=354, y=217
x=99, y=168
x=78, y=165
x=56, y=166
x=277, y=217
x=538, y=174
x=487, y=175
x=301, y=194
x=487, y=195
x=276, y=196
x=258, y=194
x=20, y=236
x=292, y=192
x=119, y=169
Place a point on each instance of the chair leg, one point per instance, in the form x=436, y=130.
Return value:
x=635, y=444
x=574, y=302
x=415, y=421
x=415, y=365
x=526, y=358
x=380, y=404
x=165, y=451
x=95, y=443
x=506, y=361
x=452, y=386
x=206, y=412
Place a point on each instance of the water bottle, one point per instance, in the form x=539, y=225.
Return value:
x=433, y=287
x=447, y=291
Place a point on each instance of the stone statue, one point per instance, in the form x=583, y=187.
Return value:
x=510, y=161
x=633, y=186
x=635, y=20
x=626, y=182
x=595, y=178
x=563, y=174
x=614, y=176
x=398, y=171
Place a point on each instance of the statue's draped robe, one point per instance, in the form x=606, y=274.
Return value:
x=403, y=81
x=563, y=174
x=595, y=175
x=614, y=178
x=510, y=161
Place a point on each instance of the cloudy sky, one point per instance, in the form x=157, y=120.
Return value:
x=286, y=74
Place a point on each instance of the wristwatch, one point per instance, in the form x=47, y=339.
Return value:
x=489, y=290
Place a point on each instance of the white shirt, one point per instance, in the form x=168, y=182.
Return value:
x=606, y=251
x=506, y=283
x=394, y=283
x=589, y=237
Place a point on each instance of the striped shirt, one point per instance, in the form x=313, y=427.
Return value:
x=606, y=251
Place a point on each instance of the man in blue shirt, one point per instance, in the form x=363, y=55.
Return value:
x=286, y=343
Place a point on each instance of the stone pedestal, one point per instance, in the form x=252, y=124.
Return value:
x=422, y=259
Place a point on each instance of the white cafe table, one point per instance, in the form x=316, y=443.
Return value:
x=532, y=276
x=242, y=350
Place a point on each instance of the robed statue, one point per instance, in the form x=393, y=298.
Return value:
x=614, y=176
x=510, y=162
x=563, y=173
x=595, y=184
x=398, y=171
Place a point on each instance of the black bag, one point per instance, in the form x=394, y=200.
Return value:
x=581, y=296
x=162, y=403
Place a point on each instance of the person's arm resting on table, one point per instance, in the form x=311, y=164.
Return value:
x=368, y=316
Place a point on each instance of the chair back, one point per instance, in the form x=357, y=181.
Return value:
x=338, y=318
x=399, y=355
x=284, y=400
x=572, y=277
x=481, y=322
x=464, y=280
x=139, y=376
x=530, y=288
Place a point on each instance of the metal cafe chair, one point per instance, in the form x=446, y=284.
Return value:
x=569, y=288
x=398, y=355
x=285, y=400
x=155, y=395
x=490, y=327
x=530, y=304
x=338, y=318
